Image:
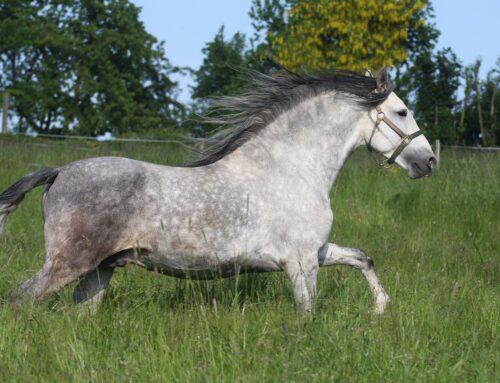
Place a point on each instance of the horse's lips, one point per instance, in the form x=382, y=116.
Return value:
x=421, y=172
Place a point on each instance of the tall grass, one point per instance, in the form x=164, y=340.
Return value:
x=435, y=243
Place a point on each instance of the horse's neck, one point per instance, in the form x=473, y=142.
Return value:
x=311, y=141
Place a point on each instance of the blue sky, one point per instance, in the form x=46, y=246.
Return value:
x=470, y=28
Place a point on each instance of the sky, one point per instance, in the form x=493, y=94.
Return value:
x=470, y=28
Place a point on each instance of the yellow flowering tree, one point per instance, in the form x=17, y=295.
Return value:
x=353, y=34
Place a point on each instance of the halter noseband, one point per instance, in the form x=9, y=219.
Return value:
x=405, y=138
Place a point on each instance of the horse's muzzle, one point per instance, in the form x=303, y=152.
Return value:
x=422, y=168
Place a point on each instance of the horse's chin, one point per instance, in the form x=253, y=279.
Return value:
x=416, y=171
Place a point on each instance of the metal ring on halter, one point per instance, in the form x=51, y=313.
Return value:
x=385, y=163
x=406, y=140
x=380, y=116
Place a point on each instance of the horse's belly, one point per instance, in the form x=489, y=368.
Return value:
x=206, y=266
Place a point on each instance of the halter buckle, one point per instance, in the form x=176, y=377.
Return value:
x=380, y=116
x=406, y=140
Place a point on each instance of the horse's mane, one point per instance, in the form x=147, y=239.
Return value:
x=267, y=96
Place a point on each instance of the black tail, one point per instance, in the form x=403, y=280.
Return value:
x=15, y=193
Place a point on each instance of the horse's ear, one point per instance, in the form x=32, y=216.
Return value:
x=368, y=73
x=382, y=79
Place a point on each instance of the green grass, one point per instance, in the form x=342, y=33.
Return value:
x=435, y=243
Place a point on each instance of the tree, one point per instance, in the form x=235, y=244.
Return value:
x=467, y=91
x=492, y=85
x=223, y=67
x=487, y=104
x=269, y=18
x=222, y=72
x=483, y=107
x=22, y=30
x=358, y=35
x=120, y=71
x=476, y=82
x=435, y=80
x=421, y=43
x=85, y=65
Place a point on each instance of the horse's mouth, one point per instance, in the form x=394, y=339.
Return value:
x=420, y=170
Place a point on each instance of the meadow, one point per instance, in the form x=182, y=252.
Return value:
x=436, y=247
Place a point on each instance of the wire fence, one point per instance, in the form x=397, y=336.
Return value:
x=188, y=141
x=181, y=140
x=482, y=148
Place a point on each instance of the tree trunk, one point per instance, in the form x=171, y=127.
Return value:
x=41, y=124
x=49, y=121
x=466, y=98
x=464, y=108
x=493, y=116
x=436, y=118
x=5, y=112
x=480, y=114
x=478, y=101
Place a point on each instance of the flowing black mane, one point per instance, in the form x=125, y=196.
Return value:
x=268, y=96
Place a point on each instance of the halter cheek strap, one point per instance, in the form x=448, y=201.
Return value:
x=405, y=138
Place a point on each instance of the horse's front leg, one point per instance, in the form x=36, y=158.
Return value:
x=303, y=273
x=331, y=254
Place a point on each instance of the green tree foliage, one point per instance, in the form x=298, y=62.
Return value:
x=269, y=18
x=481, y=106
x=491, y=97
x=421, y=43
x=26, y=38
x=320, y=34
x=223, y=72
x=429, y=80
x=223, y=67
x=435, y=79
x=86, y=65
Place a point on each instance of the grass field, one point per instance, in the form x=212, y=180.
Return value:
x=435, y=243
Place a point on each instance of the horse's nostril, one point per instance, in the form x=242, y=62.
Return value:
x=432, y=161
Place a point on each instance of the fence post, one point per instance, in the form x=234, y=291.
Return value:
x=5, y=112
x=438, y=152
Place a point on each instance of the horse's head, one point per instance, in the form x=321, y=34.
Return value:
x=393, y=132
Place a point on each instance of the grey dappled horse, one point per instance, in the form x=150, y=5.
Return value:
x=258, y=199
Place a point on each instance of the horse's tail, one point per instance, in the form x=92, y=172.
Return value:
x=14, y=194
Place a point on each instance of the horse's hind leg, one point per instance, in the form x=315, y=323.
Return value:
x=53, y=276
x=332, y=254
x=91, y=288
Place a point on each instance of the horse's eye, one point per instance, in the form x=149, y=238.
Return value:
x=403, y=112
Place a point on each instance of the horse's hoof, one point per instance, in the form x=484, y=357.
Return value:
x=381, y=303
